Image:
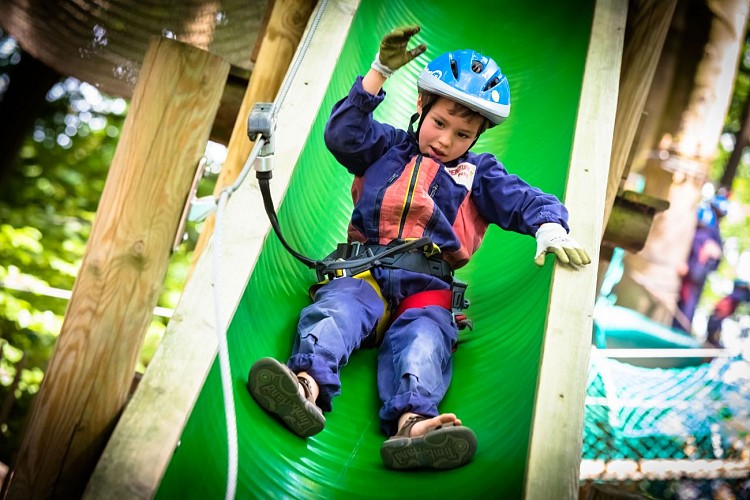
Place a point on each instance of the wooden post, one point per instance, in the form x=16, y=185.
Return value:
x=741, y=138
x=283, y=32
x=687, y=149
x=647, y=26
x=142, y=445
x=553, y=465
x=86, y=386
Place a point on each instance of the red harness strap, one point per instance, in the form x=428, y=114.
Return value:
x=440, y=298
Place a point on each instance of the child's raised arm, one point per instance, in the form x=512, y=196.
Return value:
x=391, y=56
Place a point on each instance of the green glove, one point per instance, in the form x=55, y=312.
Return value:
x=393, y=53
x=553, y=238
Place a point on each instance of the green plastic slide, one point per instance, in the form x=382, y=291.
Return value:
x=541, y=46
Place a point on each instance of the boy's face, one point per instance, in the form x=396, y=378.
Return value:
x=444, y=135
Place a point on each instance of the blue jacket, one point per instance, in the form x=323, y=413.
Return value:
x=699, y=266
x=399, y=193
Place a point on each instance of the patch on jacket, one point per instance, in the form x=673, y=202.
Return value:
x=463, y=174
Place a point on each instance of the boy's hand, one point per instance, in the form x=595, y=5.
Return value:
x=553, y=238
x=393, y=53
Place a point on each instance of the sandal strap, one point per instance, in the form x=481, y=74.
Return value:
x=306, y=388
x=405, y=430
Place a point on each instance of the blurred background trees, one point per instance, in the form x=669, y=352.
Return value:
x=50, y=185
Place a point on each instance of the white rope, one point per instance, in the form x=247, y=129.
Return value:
x=224, y=365
x=221, y=328
x=303, y=46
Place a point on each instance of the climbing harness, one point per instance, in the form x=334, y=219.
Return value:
x=358, y=259
x=424, y=259
x=418, y=255
x=355, y=259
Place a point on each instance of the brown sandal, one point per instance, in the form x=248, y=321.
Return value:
x=276, y=389
x=443, y=447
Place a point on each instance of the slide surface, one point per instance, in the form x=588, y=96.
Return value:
x=541, y=46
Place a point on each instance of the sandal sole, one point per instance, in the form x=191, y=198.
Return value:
x=275, y=388
x=444, y=448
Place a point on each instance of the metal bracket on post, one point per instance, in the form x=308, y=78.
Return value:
x=192, y=202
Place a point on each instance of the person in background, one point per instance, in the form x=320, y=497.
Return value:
x=725, y=308
x=705, y=255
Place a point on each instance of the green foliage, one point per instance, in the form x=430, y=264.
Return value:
x=47, y=207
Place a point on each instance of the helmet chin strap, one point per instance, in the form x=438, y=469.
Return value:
x=413, y=120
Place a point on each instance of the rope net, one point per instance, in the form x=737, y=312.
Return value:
x=666, y=421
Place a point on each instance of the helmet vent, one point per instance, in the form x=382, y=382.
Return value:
x=492, y=83
x=454, y=68
x=477, y=66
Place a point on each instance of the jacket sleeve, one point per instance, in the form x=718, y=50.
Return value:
x=511, y=203
x=351, y=134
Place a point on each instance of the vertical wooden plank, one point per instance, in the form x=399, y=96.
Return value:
x=90, y=373
x=283, y=32
x=142, y=444
x=648, y=23
x=555, y=448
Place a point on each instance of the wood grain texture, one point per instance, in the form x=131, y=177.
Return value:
x=648, y=23
x=90, y=373
x=142, y=444
x=557, y=425
x=283, y=33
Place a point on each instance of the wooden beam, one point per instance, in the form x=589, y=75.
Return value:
x=555, y=449
x=280, y=38
x=89, y=376
x=631, y=220
x=647, y=26
x=142, y=444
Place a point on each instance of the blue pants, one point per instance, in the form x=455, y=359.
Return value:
x=414, y=359
x=690, y=294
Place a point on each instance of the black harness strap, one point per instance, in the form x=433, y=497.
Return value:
x=355, y=258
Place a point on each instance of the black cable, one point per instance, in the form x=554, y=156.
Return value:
x=322, y=266
x=265, y=191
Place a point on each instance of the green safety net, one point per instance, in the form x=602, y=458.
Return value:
x=698, y=412
x=660, y=408
x=542, y=47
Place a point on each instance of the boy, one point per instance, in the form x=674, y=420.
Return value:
x=410, y=185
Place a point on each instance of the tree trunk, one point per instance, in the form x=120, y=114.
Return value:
x=740, y=143
x=689, y=134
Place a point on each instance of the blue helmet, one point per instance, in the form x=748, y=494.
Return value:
x=706, y=216
x=470, y=79
x=720, y=204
